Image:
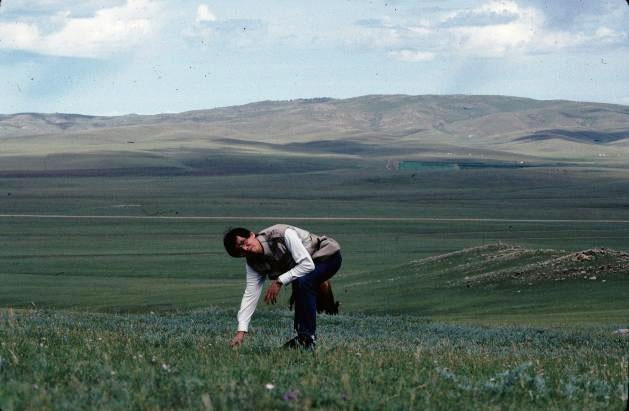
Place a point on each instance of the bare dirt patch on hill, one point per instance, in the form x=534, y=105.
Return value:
x=521, y=265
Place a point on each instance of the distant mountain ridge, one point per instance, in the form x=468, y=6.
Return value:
x=400, y=126
x=372, y=112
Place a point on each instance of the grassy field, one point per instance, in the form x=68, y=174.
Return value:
x=138, y=265
x=450, y=290
x=60, y=360
x=348, y=188
x=172, y=257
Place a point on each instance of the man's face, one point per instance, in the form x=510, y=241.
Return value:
x=249, y=245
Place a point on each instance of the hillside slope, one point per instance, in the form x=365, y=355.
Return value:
x=377, y=126
x=497, y=280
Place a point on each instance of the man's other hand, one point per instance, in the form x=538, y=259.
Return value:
x=272, y=292
x=238, y=339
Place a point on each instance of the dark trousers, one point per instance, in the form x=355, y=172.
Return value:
x=305, y=291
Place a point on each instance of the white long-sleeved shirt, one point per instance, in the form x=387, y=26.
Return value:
x=255, y=280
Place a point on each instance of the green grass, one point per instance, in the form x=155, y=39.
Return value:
x=119, y=265
x=65, y=360
x=358, y=189
x=115, y=313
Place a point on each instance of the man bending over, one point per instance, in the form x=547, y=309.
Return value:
x=285, y=255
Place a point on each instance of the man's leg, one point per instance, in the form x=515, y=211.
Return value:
x=306, y=296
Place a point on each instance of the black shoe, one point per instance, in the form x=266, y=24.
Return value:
x=301, y=341
x=292, y=343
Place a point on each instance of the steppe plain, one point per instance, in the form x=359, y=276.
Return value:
x=484, y=241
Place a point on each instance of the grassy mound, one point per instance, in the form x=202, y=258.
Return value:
x=502, y=282
x=524, y=265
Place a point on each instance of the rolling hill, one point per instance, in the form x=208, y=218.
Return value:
x=496, y=280
x=381, y=127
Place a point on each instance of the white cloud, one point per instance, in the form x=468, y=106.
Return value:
x=499, y=7
x=108, y=31
x=411, y=55
x=607, y=35
x=497, y=38
x=227, y=32
x=493, y=29
x=204, y=14
x=18, y=35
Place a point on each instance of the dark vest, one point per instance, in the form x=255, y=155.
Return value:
x=276, y=259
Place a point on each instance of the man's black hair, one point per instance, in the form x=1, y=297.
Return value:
x=229, y=240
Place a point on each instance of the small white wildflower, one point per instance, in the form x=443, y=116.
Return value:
x=269, y=386
x=166, y=367
x=113, y=373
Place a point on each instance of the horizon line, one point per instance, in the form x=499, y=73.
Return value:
x=305, y=99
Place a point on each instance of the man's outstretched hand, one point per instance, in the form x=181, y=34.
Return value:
x=272, y=292
x=238, y=339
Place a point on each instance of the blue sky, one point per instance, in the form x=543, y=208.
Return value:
x=140, y=56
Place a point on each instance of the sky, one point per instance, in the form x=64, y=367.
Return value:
x=140, y=56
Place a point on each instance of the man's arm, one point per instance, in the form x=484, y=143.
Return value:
x=300, y=256
x=248, y=304
x=303, y=267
